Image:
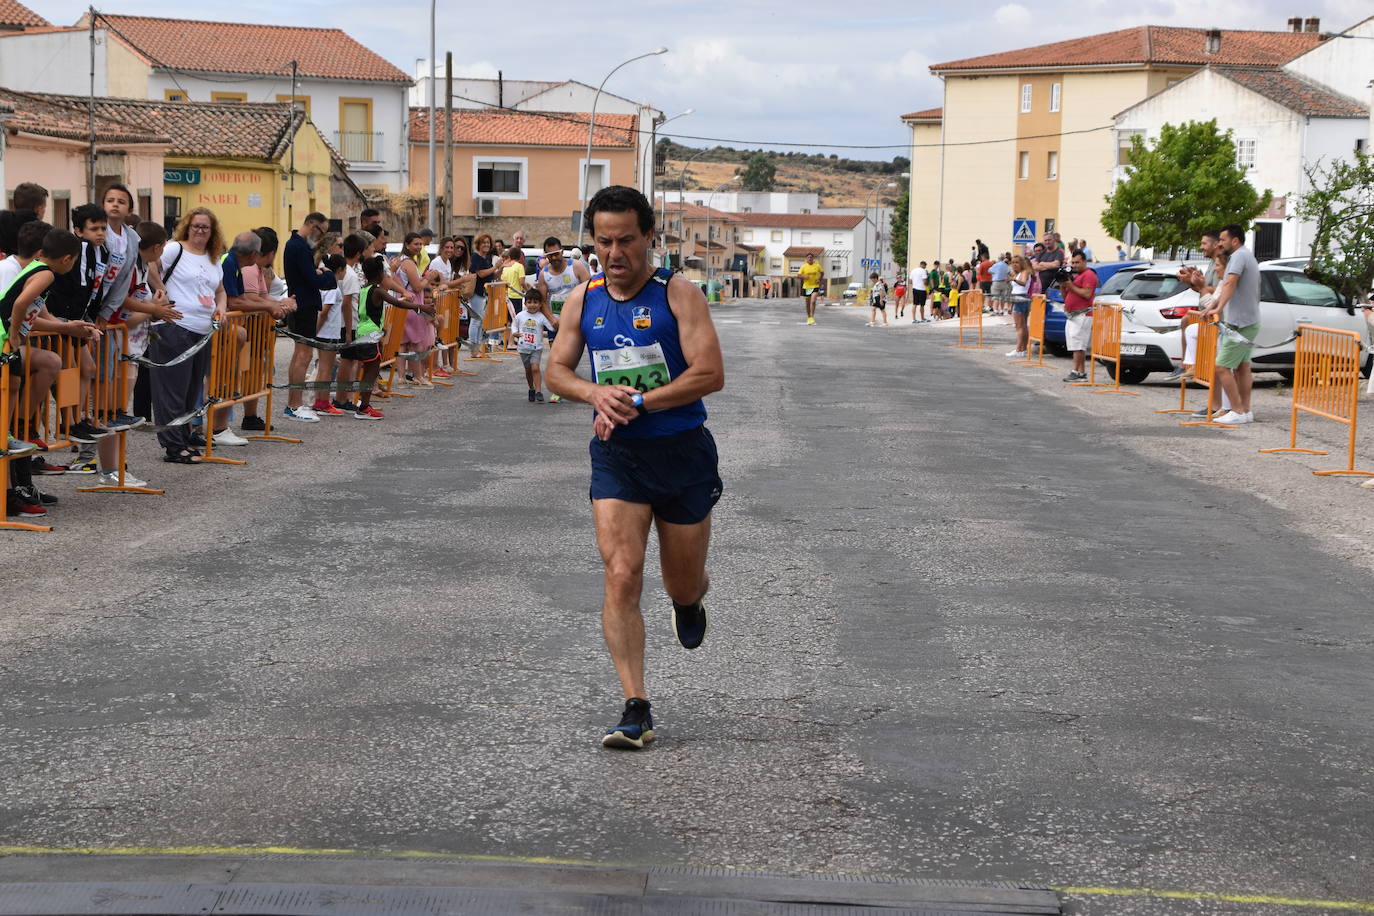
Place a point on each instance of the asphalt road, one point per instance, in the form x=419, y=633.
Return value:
x=958, y=631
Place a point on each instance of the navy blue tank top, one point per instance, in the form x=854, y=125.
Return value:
x=636, y=343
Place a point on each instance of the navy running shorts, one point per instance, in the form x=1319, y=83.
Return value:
x=677, y=475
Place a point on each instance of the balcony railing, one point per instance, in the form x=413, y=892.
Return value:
x=359, y=145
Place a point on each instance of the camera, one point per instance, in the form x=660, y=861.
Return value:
x=1063, y=275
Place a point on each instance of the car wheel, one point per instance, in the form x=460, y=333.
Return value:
x=1131, y=375
x=1286, y=375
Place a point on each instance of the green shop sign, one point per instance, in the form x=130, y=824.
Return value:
x=181, y=176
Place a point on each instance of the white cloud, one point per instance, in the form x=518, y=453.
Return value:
x=1012, y=14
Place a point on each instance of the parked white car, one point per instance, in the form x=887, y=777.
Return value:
x=1155, y=301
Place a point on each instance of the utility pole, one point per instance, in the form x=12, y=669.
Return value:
x=290, y=122
x=448, y=143
x=432, y=170
x=90, y=116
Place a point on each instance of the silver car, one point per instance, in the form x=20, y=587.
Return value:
x=1155, y=301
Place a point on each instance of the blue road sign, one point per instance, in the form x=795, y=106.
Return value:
x=1023, y=231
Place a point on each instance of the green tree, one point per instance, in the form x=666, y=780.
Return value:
x=901, y=212
x=1341, y=204
x=759, y=174
x=1183, y=184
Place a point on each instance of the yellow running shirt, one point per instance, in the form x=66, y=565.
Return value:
x=811, y=276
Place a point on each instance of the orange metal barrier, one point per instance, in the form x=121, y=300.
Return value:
x=1106, y=345
x=1036, y=326
x=110, y=396
x=56, y=416
x=1326, y=383
x=496, y=318
x=447, y=306
x=242, y=362
x=7, y=382
x=970, y=305
x=1204, y=373
x=393, y=334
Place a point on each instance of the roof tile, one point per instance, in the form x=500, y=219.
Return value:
x=503, y=126
x=15, y=14
x=803, y=220
x=925, y=114
x=1148, y=44
x=234, y=47
x=231, y=130
x=54, y=116
x=1297, y=94
x=801, y=251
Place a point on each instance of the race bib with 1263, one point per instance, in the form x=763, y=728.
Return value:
x=642, y=368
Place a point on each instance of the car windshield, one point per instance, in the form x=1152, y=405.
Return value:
x=1117, y=282
x=1152, y=286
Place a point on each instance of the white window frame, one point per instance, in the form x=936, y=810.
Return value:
x=1052, y=165
x=804, y=237
x=522, y=161
x=1023, y=165
x=837, y=238
x=1246, y=148
x=1123, y=141
x=775, y=235
x=775, y=263
x=1026, y=95
x=748, y=235
x=582, y=174
x=1056, y=90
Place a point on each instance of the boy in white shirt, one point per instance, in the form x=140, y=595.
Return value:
x=334, y=304
x=527, y=329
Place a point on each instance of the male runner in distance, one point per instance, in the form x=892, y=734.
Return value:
x=654, y=355
x=811, y=275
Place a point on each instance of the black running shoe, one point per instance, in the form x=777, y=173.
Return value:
x=253, y=424
x=636, y=727
x=86, y=432
x=689, y=623
x=32, y=494
x=531, y=395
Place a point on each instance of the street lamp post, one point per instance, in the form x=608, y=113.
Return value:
x=682, y=201
x=591, y=127
x=867, y=203
x=432, y=4
x=651, y=157
x=710, y=265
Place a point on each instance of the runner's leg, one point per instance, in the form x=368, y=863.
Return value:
x=682, y=552
x=622, y=531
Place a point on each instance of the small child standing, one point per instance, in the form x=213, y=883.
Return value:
x=528, y=330
x=877, y=300
x=330, y=329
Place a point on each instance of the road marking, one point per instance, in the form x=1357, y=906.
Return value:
x=1356, y=906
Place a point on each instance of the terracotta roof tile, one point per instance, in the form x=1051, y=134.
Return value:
x=1297, y=94
x=15, y=14
x=691, y=212
x=803, y=220
x=801, y=251
x=1148, y=44
x=503, y=126
x=233, y=47
x=55, y=116
x=232, y=130
x=925, y=114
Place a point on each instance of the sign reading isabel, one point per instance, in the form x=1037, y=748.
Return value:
x=181, y=176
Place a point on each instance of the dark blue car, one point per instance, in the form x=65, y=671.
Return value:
x=1106, y=286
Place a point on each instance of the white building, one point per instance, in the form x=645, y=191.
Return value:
x=1282, y=122
x=355, y=97
x=568, y=96
x=787, y=238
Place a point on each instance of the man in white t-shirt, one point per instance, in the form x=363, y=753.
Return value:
x=917, y=286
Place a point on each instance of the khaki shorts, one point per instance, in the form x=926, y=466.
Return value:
x=1078, y=331
x=1232, y=354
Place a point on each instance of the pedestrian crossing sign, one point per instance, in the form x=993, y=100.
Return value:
x=1023, y=231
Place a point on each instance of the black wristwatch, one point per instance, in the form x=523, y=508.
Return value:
x=637, y=400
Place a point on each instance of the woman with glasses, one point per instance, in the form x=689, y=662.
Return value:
x=194, y=282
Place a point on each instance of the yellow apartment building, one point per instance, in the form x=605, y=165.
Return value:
x=1029, y=134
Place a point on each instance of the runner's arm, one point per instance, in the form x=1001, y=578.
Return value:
x=612, y=402
x=700, y=347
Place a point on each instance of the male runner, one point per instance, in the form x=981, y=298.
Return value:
x=557, y=278
x=811, y=275
x=654, y=354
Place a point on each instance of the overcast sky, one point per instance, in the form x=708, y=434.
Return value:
x=754, y=74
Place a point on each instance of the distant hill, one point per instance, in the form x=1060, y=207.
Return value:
x=839, y=182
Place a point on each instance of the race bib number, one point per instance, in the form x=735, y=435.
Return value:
x=642, y=368
x=556, y=306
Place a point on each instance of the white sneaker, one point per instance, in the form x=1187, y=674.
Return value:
x=1016, y=354
x=1247, y=417
x=111, y=479
x=1230, y=418
x=227, y=436
x=303, y=414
